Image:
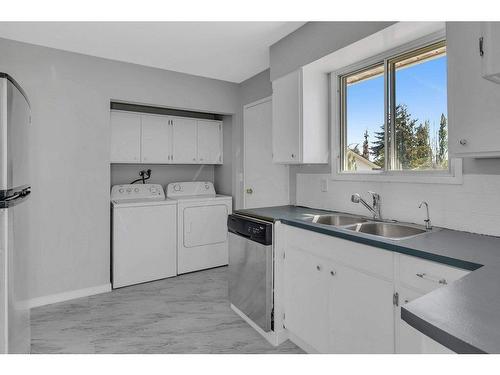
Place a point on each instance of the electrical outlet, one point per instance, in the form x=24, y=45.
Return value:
x=324, y=185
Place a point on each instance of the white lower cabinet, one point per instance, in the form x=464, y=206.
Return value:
x=361, y=313
x=307, y=298
x=340, y=296
x=331, y=307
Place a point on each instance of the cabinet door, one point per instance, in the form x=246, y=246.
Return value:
x=306, y=290
x=490, y=60
x=209, y=142
x=156, y=139
x=184, y=140
x=362, y=313
x=125, y=137
x=287, y=118
x=408, y=339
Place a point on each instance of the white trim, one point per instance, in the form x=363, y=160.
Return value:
x=66, y=296
x=245, y=107
x=272, y=337
x=453, y=176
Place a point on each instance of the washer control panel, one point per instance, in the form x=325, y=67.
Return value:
x=137, y=191
x=181, y=189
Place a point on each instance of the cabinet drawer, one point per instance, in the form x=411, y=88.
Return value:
x=426, y=275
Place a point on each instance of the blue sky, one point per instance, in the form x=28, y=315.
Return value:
x=421, y=87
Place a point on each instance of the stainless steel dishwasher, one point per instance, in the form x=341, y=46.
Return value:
x=251, y=268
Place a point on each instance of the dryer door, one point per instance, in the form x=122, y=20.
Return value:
x=205, y=225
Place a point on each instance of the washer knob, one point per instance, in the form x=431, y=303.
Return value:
x=177, y=187
x=129, y=190
x=136, y=190
x=121, y=190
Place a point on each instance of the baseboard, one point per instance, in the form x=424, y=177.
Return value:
x=271, y=336
x=66, y=296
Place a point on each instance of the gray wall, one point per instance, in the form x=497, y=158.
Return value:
x=70, y=95
x=314, y=40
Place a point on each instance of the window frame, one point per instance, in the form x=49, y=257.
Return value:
x=452, y=175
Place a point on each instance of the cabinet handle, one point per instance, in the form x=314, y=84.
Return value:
x=293, y=156
x=463, y=141
x=318, y=267
x=481, y=46
x=424, y=276
x=194, y=159
x=333, y=273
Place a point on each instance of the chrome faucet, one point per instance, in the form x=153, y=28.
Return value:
x=374, y=208
x=428, y=224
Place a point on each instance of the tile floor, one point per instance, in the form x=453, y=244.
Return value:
x=184, y=314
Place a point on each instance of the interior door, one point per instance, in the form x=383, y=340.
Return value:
x=266, y=183
x=184, y=140
x=125, y=137
x=156, y=139
x=209, y=142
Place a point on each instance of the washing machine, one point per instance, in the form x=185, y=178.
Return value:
x=201, y=225
x=144, y=234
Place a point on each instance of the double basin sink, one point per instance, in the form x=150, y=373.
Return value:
x=389, y=230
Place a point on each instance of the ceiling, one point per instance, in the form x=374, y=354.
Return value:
x=230, y=51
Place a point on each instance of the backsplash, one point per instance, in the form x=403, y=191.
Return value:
x=473, y=206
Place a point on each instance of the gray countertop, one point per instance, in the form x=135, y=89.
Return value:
x=465, y=315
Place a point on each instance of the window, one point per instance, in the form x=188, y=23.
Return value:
x=393, y=114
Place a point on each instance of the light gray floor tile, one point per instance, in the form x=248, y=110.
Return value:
x=184, y=314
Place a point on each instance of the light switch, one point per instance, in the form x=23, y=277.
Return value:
x=324, y=185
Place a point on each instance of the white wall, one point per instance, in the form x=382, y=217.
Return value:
x=472, y=206
x=70, y=95
x=161, y=174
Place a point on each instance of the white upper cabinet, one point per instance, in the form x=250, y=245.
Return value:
x=300, y=117
x=125, y=137
x=156, y=139
x=185, y=140
x=209, y=142
x=489, y=50
x=473, y=102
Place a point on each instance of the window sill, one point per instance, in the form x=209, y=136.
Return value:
x=454, y=177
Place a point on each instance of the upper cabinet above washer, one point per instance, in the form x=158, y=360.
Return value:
x=159, y=139
x=125, y=137
x=300, y=117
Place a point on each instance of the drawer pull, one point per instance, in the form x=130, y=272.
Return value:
x=426, y=277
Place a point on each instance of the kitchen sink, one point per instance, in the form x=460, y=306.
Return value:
x=387, y=230
x=336, y=220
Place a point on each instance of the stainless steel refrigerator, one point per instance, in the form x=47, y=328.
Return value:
x=15, y=189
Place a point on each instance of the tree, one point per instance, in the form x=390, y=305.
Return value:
x=442, y=141
x=378, y=148
x=422, y=152
x=404, y=137
x=366, y=152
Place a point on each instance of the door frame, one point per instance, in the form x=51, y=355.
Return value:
x=245, y=107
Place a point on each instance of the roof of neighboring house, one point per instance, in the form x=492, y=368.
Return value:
x=361, y=159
